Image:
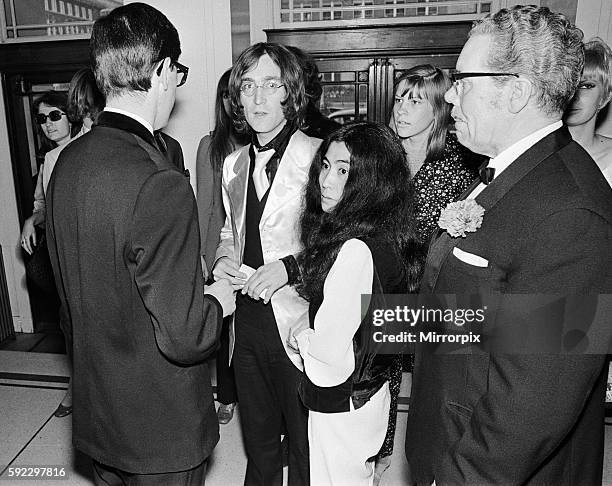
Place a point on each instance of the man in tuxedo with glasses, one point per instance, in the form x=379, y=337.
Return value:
x=124, y=245
x=262, y=194
x=531, y=413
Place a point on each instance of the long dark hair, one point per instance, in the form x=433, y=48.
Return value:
x=294, y=105
x=377, y=202
x=430, y=83
x=224, y=134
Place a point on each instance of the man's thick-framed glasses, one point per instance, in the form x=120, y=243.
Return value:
x=54, y=115
x=269, y=87
x=181, y=70
x=456, y=77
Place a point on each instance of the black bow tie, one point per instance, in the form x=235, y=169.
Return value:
x=486, y=174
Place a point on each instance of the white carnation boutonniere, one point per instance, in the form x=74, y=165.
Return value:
x=461, y=217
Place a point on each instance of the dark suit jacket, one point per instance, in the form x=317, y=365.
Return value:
x=124, y=245
x=500, y=419
x=173, y=150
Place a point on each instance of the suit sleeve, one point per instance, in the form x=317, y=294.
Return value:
x=226, y=238
x=204, y=184
x=165, y=249
x=537, y=399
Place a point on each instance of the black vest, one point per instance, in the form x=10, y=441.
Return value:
x=371, y=369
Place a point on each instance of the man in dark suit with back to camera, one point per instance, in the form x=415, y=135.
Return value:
x=501, y=418
x=124, y=245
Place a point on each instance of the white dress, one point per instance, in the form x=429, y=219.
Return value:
x=341, y=443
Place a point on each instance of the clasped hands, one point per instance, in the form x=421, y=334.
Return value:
x=269, y=278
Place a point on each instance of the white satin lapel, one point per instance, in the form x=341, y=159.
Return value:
x=291, y=176
x=237, y=191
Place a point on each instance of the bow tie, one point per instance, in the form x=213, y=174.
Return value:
x=486, y=174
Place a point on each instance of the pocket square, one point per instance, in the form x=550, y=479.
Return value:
x=470, y=258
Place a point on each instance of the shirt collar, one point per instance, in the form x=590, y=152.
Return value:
x=134, y=116
x=509, y=155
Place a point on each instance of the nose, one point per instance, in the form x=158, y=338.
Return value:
x=259, y=96
x=451, y=95
x=402, y=106
x=327, y=179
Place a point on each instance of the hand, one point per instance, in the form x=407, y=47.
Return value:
x=269, y=277
x=226, y=269
x=224, y=293
x=28, y=235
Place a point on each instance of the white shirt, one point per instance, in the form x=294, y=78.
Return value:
x=136, y=117
x=503, y=160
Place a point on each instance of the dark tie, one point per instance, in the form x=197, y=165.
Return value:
x=486, y=174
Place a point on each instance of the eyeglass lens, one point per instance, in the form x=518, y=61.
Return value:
x=54, y=116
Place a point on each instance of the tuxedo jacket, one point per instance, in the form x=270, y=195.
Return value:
x=278, y=227
x=498, y=419
x=174, y=151
x=124, y=245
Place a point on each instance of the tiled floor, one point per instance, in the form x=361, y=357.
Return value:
x=31, y=386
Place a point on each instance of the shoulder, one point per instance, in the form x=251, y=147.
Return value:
x=204, y=143
x=568, y=179
x=111, y=153
x=299, y=138
x=232, y=159
x=354, y=251
x=53, y=154
x=603, y=152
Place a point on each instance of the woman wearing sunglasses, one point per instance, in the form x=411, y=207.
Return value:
x=51, y=116
x=61, y=119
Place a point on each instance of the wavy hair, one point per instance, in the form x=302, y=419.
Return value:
x=377, y=202
x=84, y=97
x=224, y=132
x=430, y=83
x=127, y=44
x=294, y=105
x=539, y=44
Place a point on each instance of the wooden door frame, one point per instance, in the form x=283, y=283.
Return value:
x=436, y=43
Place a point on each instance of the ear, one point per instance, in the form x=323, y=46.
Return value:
x=163, y=77
x=521, y=91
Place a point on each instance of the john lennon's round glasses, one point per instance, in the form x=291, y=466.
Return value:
x=181, y=70
x=457, y=77
x=54, y=115
x=269, y=87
